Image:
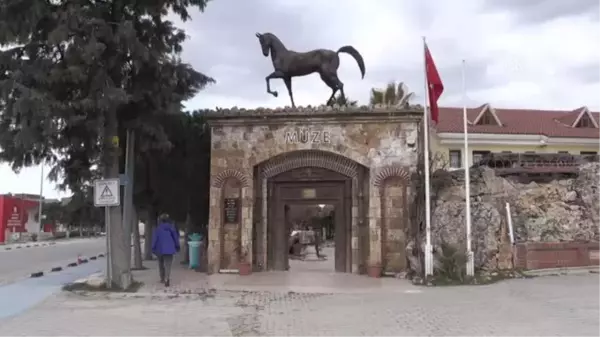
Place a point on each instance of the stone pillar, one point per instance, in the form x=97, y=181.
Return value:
x=374, y=268
x=246, y=223
x=214, y=230
x=265, y=214
x=355, y=250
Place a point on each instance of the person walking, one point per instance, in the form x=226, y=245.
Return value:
x=165, y=244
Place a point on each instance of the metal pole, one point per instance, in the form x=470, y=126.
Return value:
x=428, y=247
x=128, y=192
x=511, y=234
x=109, y=280
x=470, y=259
x=41, y=196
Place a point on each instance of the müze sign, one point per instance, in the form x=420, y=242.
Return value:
x=307, y=136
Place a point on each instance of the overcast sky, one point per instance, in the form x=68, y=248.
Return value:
x=519, y=53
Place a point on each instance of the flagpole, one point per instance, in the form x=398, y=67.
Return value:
x=470, y=262
x=428, y=248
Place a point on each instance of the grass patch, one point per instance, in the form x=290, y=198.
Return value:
x=134, y=287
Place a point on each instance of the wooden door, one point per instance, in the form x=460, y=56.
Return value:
x=340, y=237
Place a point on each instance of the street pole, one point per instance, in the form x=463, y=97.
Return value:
x=41, y=197
x=470, y=259
x=109, y=278
x=128, y=191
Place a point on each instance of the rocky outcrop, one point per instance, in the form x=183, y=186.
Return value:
x=562, y=210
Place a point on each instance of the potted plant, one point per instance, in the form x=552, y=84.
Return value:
x=244, y=266
x=374, y=271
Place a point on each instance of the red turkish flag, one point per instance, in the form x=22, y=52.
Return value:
x=434, y=83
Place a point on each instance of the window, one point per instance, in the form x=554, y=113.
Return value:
x=585, y=122
x=529, y=152
x=588, y=153
x=563, y=152
x=487, y=119
x=506, y=151
x=455, y=160
x=479, y=155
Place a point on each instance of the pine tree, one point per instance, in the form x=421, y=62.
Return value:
x=75, y=73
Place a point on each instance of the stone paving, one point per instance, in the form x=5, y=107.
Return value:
x=304, y=276
x=311, y=300
x=557, y=306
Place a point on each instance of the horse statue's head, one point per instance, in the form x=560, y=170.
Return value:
x=265, y=43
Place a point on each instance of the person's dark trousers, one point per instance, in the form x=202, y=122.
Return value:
x=164, y=268
x=317, y=244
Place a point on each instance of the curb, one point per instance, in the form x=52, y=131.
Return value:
x=79, y=260
x=563, y=271
x=60, y=268
x=31, y=245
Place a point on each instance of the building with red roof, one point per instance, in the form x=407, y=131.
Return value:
x=492, y=130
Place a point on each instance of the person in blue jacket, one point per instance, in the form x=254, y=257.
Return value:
x=165, y=244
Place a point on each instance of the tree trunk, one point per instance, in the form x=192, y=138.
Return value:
x=186, y=247
x=120, y=267
x=148, y=230
x=137, y=245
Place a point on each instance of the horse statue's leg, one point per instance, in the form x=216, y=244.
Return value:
x=332, y=81
x=273, y=75
x=288, y=84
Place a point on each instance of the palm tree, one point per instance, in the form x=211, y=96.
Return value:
x=344, y=101
x=392, y=95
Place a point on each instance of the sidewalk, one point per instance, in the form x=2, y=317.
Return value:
x=304, y=277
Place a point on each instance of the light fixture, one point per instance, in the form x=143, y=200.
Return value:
x=321, y=206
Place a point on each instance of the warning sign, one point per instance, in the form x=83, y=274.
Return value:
x=106, y=193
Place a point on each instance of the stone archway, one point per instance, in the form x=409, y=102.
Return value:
x=326, y=166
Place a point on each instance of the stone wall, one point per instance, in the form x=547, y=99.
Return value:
x=560, y=211
x=383, y=141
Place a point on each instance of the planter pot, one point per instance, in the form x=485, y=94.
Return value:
x=245, y=268
x=374, y=271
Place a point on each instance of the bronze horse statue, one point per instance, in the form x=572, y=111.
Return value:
x=288, y=64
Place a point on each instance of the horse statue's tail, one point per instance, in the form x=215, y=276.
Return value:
x=354, y=53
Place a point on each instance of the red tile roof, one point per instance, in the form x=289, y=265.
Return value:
x=552, y=123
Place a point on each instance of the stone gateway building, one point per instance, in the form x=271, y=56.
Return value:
x=358, y=159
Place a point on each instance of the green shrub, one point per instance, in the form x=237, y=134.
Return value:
x=452, y=267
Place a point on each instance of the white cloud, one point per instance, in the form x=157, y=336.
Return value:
x=547, y=63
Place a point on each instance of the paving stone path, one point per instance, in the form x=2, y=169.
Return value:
x=553, y=305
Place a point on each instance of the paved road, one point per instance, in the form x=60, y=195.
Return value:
x=24, y=294
x=544, y=306
x=18, y=263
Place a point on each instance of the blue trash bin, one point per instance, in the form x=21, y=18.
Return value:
x=194, y=253
x=194, y=245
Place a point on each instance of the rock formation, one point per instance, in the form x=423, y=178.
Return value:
x=561, y=210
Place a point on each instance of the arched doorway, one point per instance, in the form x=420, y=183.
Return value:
x=310, y=177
